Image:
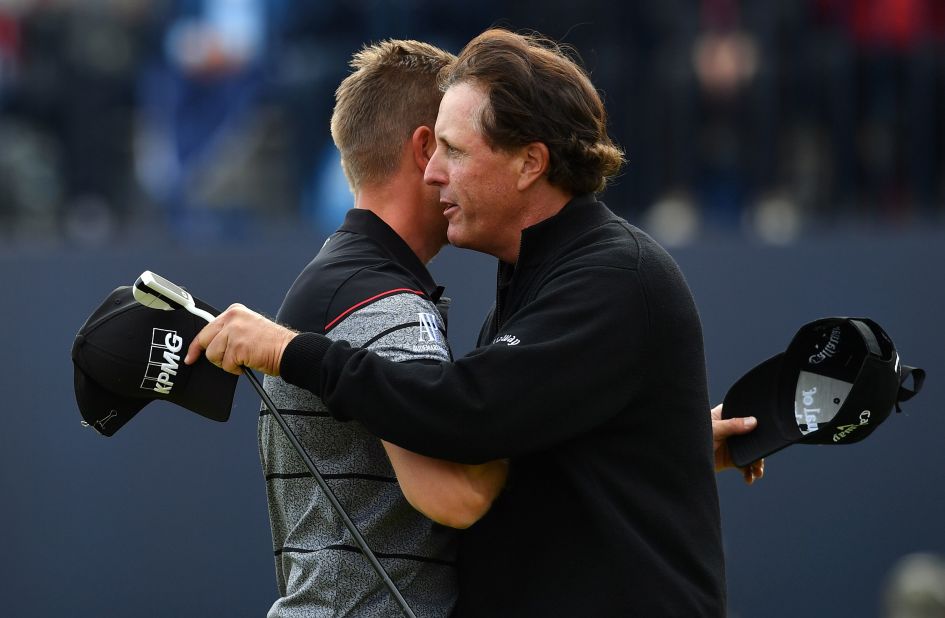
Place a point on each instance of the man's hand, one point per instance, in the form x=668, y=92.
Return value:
x=238, y=338
x=721, y=431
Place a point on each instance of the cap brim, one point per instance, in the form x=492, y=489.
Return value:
x=209, y=391
x=757, y=394
x=102, y=409
x=214, y=397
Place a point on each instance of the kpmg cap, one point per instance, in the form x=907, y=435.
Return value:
x=837, y=381
x=127, y=355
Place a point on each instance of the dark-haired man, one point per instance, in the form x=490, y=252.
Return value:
x=589, y=375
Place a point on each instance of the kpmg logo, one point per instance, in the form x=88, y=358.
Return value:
x=429, y=327
x=163, y=361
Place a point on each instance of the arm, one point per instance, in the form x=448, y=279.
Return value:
x=498, y=401
x=721, y=431
x=427, y=483
x=451, y=494
x=541, y=383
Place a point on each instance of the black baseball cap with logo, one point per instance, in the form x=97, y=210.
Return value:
x=127, y=355
x=837, y=381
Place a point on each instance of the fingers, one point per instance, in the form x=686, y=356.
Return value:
x=754, y=471
x=239, y=338
x=716, y=413
x=202, y=340
x=224, y=355
x=213, y=341
x=722, y=429
x=758, y=469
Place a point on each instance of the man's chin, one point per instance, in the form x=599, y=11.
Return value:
x=455, y=237
x=457, y=243
x=464, y=238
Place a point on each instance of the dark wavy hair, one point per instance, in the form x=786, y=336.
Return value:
x=537, y=93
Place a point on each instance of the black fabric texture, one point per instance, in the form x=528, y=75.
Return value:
x=590, y=377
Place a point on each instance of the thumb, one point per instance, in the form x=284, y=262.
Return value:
x=733, y=426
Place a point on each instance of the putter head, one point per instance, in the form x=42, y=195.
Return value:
x=156, y=292
x=143, y=294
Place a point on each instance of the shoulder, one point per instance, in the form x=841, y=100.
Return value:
x=321, y=299
x=617, y=245
x=349, y=271
x=615, y=264
x=613, y=245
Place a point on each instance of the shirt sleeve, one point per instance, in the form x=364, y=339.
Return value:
x=400, y=327
x=570, y=360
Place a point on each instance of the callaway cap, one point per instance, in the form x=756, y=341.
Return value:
x=126, y=355
x=837, y=381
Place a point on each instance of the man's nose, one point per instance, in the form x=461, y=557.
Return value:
x=434, y=174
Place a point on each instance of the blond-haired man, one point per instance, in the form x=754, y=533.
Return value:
x=368, y=285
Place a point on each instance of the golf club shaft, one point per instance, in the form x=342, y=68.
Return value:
x=329, y=493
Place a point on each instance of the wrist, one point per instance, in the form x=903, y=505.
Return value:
x=287, y=338
x=301, y=361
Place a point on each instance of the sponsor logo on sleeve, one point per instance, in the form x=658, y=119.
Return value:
x=429, y=327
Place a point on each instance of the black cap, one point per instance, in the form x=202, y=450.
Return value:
x=127, y=355
x=837, y=381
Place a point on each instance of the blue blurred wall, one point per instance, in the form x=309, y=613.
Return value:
x=168, y=518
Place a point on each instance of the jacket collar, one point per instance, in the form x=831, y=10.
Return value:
x=365, y=222
x=544, y=238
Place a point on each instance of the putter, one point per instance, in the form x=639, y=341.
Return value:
x=156, y=292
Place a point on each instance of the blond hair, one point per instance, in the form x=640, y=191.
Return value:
x=392, y=91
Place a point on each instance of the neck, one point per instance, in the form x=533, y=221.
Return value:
x=401, y=207
x=543, y=203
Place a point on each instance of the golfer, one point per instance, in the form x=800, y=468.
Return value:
x=589, y=376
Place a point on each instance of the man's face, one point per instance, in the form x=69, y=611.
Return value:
x=433, y=220
x=477, y=185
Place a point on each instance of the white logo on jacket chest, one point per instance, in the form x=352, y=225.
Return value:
x=507, y=340
x=429, y=327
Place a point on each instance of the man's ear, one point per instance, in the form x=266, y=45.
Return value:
x=535, y=160
x=422, y=145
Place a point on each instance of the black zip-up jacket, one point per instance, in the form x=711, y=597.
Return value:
x=590, y=378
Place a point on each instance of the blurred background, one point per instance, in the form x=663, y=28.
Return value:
x=791, y=154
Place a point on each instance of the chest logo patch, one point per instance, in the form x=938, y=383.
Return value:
x=507, y=340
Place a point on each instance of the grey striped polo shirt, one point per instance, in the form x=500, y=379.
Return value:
x=367, y=288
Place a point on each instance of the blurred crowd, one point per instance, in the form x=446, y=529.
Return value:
x=206, y=117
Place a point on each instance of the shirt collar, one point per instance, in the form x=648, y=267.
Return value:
x=367, y=223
